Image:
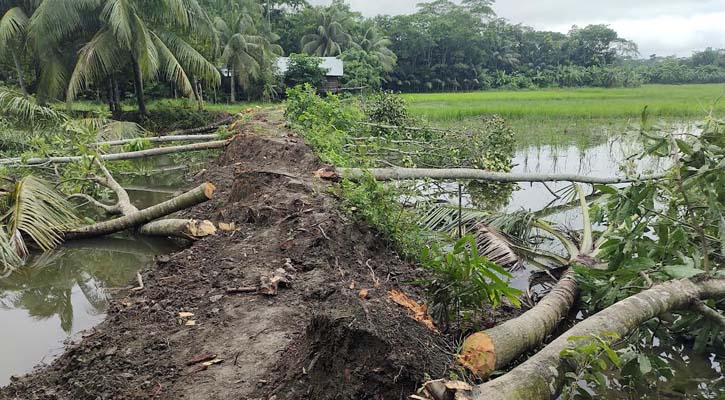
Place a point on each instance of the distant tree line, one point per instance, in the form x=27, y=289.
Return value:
x=112, y=50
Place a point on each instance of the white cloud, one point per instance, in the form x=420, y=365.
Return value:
x=664, y=27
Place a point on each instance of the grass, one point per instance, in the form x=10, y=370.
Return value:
x=582, y=116
x=684, y=101
x=98, y=108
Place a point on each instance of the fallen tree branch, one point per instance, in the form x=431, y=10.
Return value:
x=391, y=174
x=118, y=156
x=196, y=196
x=542, y=376
x=708, y=313
x=204, y=129
x=493, y=349
x=160, y=139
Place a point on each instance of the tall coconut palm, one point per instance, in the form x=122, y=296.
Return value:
x=14, y=20
x=248, y=52
x=374, y=43
x=145, y=33
x=329, y=37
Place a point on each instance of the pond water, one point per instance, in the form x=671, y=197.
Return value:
x=60, y=294
x=695, y=376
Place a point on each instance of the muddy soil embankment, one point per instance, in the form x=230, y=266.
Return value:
x=317, y=338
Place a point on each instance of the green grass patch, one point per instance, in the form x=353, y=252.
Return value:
x=663, y=101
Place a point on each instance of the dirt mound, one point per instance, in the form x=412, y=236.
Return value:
x=318, y=337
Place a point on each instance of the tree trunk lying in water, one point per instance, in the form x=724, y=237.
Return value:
x=392, y=174
x=135, y=219
x=493, y=349
x=542, y=376
x=132, y=217
x=118, y=156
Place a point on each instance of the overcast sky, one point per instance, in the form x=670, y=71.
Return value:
x=664, y=27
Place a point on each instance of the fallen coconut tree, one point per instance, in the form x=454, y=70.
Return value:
x=542, y=375
x=132, y=217
x=204, y=129
x=117, y=156
x=160, y=139
x=398, y=174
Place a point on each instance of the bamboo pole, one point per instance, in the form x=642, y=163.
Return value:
x=393, y=174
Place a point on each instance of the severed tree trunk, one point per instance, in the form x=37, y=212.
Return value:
x=118, y=156
x=541, y=377
x=493, y=349
x=392, y=174
x=134, y=219
x=186, y=228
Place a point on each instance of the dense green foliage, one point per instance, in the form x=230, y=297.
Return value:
x=115, y=50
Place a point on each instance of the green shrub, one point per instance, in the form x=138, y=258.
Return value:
x=464, y=282
x=386, y=108
x=324, y=123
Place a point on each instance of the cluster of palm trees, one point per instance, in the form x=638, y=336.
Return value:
x=331, y=38
x=73, y=45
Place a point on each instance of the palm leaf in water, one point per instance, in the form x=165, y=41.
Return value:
x=36, y=212
x=506, y=239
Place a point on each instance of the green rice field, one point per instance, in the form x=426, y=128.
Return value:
x=662, y=101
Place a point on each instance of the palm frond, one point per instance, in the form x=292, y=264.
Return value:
x=96, y=60
x=8, y=256
x=118, y=15
x=37, y=212
x=191, y=59
x=16, y=105
x=12, y=26
x=170, y=69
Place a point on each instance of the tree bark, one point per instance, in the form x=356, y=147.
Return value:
x=119, y=156
x=199, y=195
x=19, y=70
x=493, y=349
x=161, y=139
x=138, y=84
x=232, y=84
x=541, y=376
x=391, y=174
x=203, y=129
x=188, y=228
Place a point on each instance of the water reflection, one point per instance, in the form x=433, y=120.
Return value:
x=63, y=292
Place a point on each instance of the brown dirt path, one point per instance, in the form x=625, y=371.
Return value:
x=316, y=339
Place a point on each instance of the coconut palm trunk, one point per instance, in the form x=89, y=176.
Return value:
x=138, y=85
x=232, y=84
x=19, y=70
